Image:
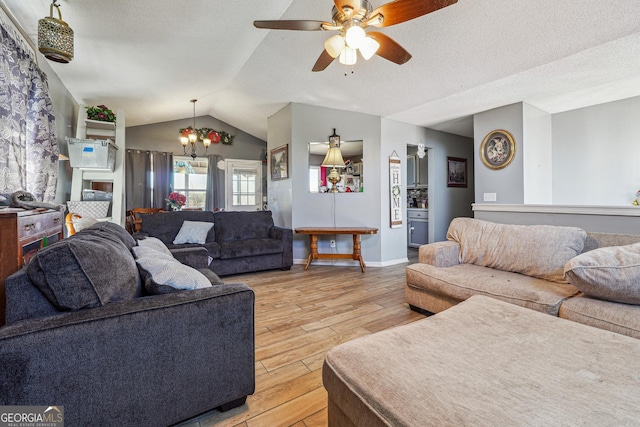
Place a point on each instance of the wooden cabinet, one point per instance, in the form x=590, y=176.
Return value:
x=23, y=231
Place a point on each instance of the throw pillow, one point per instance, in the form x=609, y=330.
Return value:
x=193, y=232
x=146, y=251
x=84, y=271
x=609, y=273
x=171, y=273
x=155, y=243
x=81, y=223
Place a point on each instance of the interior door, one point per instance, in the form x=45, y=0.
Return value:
x=244, y=185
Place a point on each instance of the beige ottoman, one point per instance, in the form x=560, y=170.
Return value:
x=485, y=362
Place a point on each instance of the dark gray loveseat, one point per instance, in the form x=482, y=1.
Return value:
x=113, y=355
x=238, y=242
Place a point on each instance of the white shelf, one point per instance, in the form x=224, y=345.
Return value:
x=97, y=124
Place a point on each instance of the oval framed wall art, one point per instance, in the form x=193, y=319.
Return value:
x=498, y=149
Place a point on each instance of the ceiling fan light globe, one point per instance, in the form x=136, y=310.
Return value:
x=334, y=45
x=348, y=56
x=368, y=48
x=355, y=36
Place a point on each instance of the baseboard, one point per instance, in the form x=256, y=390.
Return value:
x=352, y=263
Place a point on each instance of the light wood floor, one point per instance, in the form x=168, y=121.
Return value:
x=299, y=316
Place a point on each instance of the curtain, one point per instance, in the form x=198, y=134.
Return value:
x=215, y=184
x=28, y=144
x=162, y=178
x=138, y=179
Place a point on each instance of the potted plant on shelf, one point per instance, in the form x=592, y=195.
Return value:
x=101, y=113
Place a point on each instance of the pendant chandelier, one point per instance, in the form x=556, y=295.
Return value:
x=191, y=135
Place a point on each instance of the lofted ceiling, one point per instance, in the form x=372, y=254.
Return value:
x=150, y=57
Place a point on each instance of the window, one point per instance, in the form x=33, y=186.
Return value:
x=190, y=179
x=244, y=187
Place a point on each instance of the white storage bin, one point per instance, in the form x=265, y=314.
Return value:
x=92, y=154
x=96, y=195
x=89, y=209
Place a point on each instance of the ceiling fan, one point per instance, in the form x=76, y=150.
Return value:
x=351, y=18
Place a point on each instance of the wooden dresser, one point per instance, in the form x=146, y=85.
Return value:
x=21, y=232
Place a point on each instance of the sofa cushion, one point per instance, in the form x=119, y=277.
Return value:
x=193, y=232
x=165, y=225
x=165, y=272
x=85, y=271
x=242, y=225
x=460, y=282
x=534, y=250
x=250, y=247
x=609, y=273
x=612, y=316
x=111, y=231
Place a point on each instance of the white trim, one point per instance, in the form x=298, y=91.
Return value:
x=559, y=209
x=350, y=263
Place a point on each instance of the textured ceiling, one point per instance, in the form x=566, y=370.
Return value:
x=150, y=57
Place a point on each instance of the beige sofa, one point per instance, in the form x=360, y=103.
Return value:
x=485, y=362
x=529, y=266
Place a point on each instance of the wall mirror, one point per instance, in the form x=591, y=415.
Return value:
x=351, y=176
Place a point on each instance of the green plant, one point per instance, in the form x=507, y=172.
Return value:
x=101, y=113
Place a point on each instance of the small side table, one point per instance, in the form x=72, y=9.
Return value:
x=313, y=233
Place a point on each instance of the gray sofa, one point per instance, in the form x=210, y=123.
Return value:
x=83, y=332
x=530, y=266
x=238, y=242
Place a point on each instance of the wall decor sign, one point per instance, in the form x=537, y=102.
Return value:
x=280, y=163
x=498, y=149
x=456, y=172
x=395, y=184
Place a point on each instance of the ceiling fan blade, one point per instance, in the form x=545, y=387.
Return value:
x=353, y=4
x=291, y=25
x=399, y=11
x=389, y=49
x=323, y=61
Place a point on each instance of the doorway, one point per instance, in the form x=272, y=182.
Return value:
x=244, y=185
x=419, y=199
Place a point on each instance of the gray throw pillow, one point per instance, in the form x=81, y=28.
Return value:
x=609, y=273
x=155, y=244
x=193, y=232
x=167, y=271
x=85, y=271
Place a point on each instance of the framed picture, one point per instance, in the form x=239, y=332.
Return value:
x=498, y=149
x=280, y=163
x=456, y=172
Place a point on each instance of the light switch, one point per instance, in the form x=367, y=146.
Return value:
x=489, y=197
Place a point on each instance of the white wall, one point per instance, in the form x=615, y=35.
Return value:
x=596, y=154
x=445, y=203
x=537, y=155
x=507, y=183
x=309, y=124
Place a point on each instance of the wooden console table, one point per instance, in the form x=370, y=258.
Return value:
x=313, y=233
